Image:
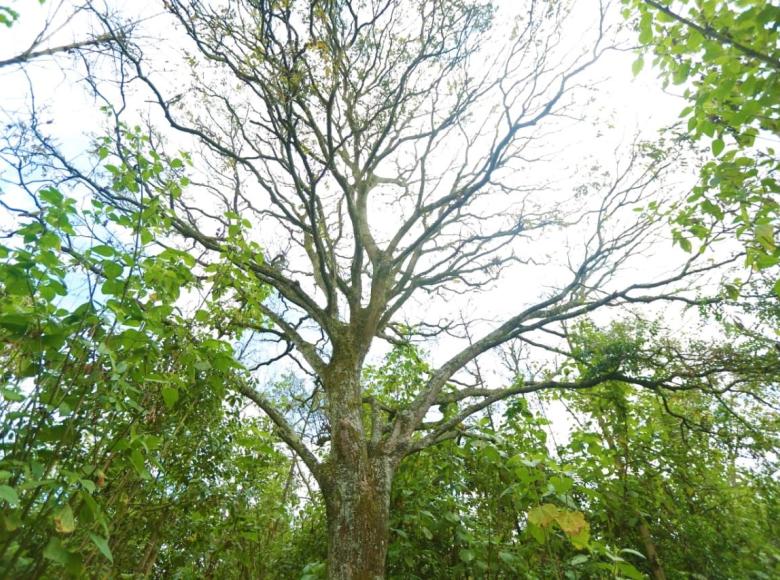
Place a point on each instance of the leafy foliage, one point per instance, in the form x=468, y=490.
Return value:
x=117, y=436
x=125, y=449
x=726, y=57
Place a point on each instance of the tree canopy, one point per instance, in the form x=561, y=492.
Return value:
x=262, y=328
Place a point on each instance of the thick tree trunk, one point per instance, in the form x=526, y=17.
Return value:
x=357, y=476
x=358, y=512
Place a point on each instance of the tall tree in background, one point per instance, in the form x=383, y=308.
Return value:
x=360, y=159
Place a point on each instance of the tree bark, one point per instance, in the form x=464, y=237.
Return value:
x=650, y=551
x=357, y=476
x=358, y=512
x=150, y=554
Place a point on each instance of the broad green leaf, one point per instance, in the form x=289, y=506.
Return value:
x=543, y=515
x=102, y=545
x=8, y=494
x=51, y=195
x=112, y=269
x=56, y=552
x=581, y=539
x=170, y=395
x=646, y=29
x=64, y=521
x=579, y=559
x=638, y=65
x=138, y=462
x=765, y=236
x=103, y=250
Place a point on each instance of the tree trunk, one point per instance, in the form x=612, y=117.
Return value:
x=150, y=554
x=650, y=551
x=357, y=476
x=358, y=512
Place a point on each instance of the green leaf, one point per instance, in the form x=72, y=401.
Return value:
x=8, y=493
x=581, y=539
x=579, y=559
x=88, y=485
x=680, y=74
x=170, y=395
x=55, y=552
x=102, y=545
x=466, y=555
x=138, y=462
x=686, y=111
x=646, y=28
x=638, y=65
x=543, y=515
x=112, y=269
x=732, y=291
x=11, y=521
x=633, y=553
x=64, y=522
x=628, y=571
x=202, y=365
x=765, y=236
x=712, y=209
x=11, y=395
x=717, y=147
x=537, y=533
x=103, y=250
x=16, y=323
x=51, y=195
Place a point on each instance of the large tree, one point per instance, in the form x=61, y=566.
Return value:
x=361, y=161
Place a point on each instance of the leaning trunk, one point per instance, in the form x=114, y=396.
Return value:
x=358, y=511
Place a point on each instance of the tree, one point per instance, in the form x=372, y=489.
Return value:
x=356, y=157
x=708, y=453
x=113, y=417
x=727, y=57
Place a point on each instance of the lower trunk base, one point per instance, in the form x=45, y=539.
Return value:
x=358, y=512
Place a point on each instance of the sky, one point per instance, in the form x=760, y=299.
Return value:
x=628, y=104
x=618, y=108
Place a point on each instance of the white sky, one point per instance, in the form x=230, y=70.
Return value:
x=621, y=108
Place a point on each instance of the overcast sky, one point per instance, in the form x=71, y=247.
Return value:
x=616, y=109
